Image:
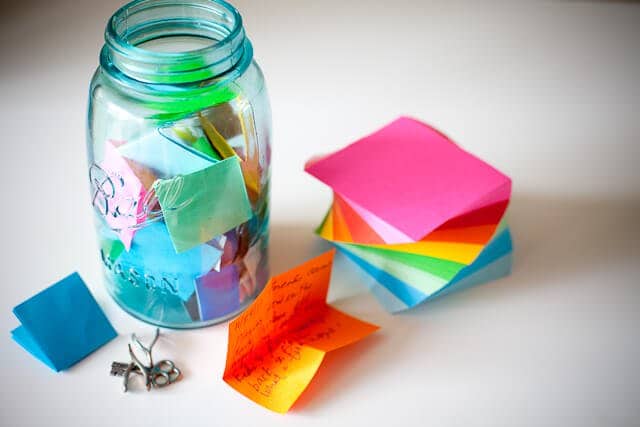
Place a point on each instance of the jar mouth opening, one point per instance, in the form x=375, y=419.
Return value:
x=172, y=41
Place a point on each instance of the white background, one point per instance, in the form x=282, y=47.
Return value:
x=548, y=92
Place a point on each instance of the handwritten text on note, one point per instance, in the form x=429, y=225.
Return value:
x=277, y=344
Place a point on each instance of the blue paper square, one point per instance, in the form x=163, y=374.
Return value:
x=152, y=253
x=395, y=295
x=63, y=324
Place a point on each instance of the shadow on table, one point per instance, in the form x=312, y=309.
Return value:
x=554, y=240
x=293, y=244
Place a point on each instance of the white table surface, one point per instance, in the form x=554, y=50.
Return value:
x=549, y=92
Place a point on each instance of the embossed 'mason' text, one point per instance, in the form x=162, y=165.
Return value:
x=152, y=282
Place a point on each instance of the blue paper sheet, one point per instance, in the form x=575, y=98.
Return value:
x=152, y=255
x=492, y=263
x=501, y=267
x=395, y=295
x=164, y=157
x=63, y=324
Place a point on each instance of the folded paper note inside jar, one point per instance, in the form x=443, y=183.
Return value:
x=118, y=194
x=218, y=293
x=164, y=157
x=203, y=204
x=190, y=136
x=220, y=144
x=277, y=345
x=152, y=257
x=251, y=169
x=234, y=134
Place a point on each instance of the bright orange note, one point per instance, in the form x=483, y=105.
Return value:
x=277, y=345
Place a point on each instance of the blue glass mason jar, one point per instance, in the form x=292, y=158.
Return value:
x=178, y=141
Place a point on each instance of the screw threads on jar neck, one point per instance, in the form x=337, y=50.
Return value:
x=175, y=42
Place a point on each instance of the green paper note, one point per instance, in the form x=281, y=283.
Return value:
x=423, y=281
x=204, y=204
x=111, y=248
x=443, y=268
x=203, y=145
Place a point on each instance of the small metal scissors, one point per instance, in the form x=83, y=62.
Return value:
x=158, y=375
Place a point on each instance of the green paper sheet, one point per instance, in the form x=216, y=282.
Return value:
x=423, y=281
x=203, y=145
x=191, y=136
x=443, y=268
x=204, y=204
x=111, y=248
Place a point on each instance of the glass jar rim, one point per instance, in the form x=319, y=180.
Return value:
x=218, y=21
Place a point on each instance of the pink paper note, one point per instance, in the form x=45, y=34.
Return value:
x=388, y=233
x=410, y=176
x=118, y=195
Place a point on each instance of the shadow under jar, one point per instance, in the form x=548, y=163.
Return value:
x=178, y=142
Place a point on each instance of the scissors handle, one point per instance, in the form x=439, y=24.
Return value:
x=164, y=373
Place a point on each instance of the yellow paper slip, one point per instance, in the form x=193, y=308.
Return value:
x=251, y=165
x=277, y=345
x=326, y=228
x=218, y=142
x=464, y=253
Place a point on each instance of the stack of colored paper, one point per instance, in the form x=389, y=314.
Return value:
x=419, y=214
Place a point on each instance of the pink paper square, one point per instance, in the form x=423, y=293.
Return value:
x=409, y=175
x=119, y=194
